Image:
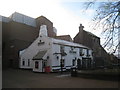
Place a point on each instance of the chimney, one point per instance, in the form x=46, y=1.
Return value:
x=81, y=27
x=43, y=30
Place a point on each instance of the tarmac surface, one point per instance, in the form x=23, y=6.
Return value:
x=17, y=78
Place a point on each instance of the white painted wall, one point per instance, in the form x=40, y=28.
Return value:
x=52, y=46
x=55, y=62
x=33, y=49
x=68, y=58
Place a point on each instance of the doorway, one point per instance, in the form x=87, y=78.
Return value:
x=38, y=66
x=79, y=64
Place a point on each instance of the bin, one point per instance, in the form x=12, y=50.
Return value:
x=47, y=69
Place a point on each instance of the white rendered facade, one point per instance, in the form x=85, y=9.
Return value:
x=46, y=51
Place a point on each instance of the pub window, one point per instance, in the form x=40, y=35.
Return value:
x=28, y=62
x=87, y=52
x=81, y=52
x=72, y=48
x=36, y=64
x=62, y=48
x=44, y=63
x=23, y=63
x=73, y=62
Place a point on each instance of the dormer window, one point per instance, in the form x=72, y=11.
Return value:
x=28, y=62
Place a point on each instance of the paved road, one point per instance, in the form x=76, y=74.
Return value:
x=14, y=78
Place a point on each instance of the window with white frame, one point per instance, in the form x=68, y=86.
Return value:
x=87, y=52
x=36, y=64
x=44, y=63
x=28, y=62
x=23, y=63
x=63, y=62
x=81, y=52
x=62, y=48
x=73, y=62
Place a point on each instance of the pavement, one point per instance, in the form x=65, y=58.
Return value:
x=17, y=78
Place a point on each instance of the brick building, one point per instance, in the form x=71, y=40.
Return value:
x=64, y=37
x=18, y=32
x=90, y=40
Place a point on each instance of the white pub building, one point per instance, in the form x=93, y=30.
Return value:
x=54, y=53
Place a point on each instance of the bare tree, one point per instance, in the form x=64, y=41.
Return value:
x=108, y=17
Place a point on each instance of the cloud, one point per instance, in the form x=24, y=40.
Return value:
x=65, y=21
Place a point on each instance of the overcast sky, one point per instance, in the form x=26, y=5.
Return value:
x=66, y=15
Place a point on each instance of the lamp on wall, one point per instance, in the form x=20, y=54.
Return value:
x=48, y=57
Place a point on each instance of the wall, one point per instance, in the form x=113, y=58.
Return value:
x=43, y=20
x=90, y=40
x=78, y=38
x=69, y=57
x=34, y=48
x=16, y=36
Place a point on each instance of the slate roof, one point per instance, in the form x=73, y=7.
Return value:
x=39, y=55
x=64, y=37
x=67, y=43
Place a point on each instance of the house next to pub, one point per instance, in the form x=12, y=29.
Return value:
x=100, y=56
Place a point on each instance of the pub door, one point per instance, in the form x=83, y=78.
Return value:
x=78, y=64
